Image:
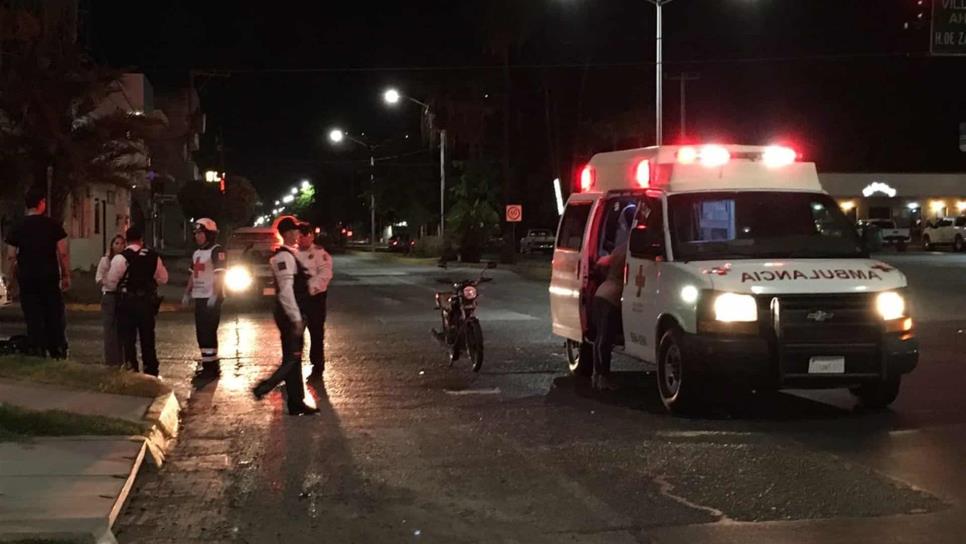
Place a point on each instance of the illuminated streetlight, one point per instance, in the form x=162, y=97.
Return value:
x=306, y=185
x=391, y=96
x=336, y=136
x=288, y=198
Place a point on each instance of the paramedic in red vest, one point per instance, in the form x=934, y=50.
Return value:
x=292, y=292
x=318, y=262
x=135, y=275
x=206, y=287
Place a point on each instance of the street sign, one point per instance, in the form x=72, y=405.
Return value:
x=514, y=213
x=948, y=33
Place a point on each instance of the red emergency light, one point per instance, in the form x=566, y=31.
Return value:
x=642, y=174
x=588, y=177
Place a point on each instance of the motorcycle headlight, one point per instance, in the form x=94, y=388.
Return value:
x=732, y=307
x=469, y=292
x=238, y=279
x=890, y=305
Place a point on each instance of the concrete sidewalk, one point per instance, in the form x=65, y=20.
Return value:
x=72, y=488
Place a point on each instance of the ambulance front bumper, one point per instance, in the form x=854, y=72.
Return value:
x=766, y=361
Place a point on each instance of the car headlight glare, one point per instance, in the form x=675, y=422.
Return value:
x=238, y=279
x=732, y=307
x=469, y=292
x=890, y=305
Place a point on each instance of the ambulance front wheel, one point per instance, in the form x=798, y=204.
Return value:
x=580, y=357
x=678, y=386
x=877, y=395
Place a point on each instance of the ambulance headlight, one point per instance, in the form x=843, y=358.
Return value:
x=732, y=308
x=890, y=305
x=238, y=279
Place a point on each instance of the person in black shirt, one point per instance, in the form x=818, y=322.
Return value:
x=40, y=260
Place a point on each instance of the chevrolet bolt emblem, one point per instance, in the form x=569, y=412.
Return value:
x=819, y=316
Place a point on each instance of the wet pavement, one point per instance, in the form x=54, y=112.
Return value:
x=408, y=450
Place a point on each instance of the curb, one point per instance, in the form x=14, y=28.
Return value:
x=163, y=415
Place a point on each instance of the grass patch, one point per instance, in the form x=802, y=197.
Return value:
x=89, y=377
x=16, y=421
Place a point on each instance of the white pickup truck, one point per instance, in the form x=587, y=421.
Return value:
x=945, y=231
x=888, y=232
x=537, y=240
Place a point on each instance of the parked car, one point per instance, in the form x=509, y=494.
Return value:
x=537, y=240
x=401, y=243
x=889, y=234
x=945, y=231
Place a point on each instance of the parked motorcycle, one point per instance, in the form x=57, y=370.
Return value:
x=461, y=329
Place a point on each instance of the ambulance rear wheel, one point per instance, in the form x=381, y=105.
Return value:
x=580, y=358
x=678, y=386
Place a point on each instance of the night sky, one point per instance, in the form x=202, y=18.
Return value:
x=839, y=79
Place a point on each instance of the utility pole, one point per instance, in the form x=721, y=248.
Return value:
x=442, y=182
x=659, y=70
x=684, y=78
x=372, y=199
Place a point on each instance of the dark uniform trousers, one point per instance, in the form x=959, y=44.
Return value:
x=608, y=319
x=206, y=328
x=315, y=321
x=43, y=310
x=291, y=368
x=136, y=320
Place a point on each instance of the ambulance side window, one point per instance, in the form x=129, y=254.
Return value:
x=571, y=235
x=647, y=235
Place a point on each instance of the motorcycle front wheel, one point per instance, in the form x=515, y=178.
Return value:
x=474, y=343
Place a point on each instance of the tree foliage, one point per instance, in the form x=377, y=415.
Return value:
x=234, y=208
x=50, y=93
x=473, y=214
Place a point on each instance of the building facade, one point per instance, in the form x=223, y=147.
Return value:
x=908, y=199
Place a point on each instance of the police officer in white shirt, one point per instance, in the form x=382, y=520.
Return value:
x=292, y=290
x=318, y=262
x=206, y=287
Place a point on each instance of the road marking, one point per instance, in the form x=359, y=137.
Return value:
x=464, y=392
x=666, y=489
x=699, y=434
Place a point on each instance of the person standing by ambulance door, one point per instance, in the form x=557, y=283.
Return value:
x=606, y=309
x=206, y=287
x=292, y=282
x=318, y=262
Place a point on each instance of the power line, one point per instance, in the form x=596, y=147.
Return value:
x=563, y=65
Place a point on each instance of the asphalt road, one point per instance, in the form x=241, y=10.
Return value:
x=409, y=450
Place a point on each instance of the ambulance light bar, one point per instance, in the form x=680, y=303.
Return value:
x=587, y=178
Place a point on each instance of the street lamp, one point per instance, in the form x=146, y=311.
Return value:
x=392, y=97
x=337, y=136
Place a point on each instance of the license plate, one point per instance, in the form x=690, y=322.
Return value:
x=268, y=291
x=826, y=365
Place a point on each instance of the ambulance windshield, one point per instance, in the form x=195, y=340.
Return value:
x=759, y=225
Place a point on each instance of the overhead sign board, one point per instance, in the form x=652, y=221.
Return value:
x=948, y=33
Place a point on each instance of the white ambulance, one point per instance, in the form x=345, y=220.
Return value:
x=740, y=270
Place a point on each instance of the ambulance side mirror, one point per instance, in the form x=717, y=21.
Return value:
x=646, y=243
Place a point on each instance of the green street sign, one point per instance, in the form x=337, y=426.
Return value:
x=948, y=35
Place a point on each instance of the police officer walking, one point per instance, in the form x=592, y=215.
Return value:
x=40, y=260
x=206, y=287
x=292, y=288
x=134, y=275
x=318, y=262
